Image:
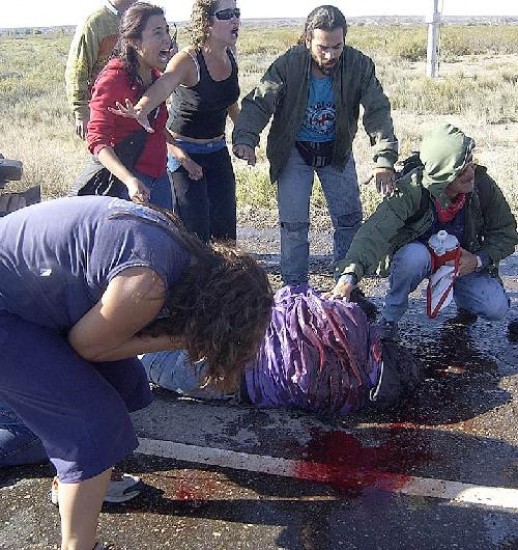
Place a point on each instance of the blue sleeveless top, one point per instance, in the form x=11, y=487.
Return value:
x=57, y=257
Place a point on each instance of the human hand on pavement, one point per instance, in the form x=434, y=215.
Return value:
x=245, y=152
x=341, y=291
x=130, y=111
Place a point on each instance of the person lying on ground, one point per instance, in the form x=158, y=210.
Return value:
x=318, y=355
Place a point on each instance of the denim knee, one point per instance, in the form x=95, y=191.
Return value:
x=496, y=308
x=293, y=228
x=411, y=260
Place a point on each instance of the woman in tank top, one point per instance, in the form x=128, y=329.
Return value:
x=203, y=81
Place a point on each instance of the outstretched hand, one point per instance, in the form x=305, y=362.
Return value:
x=342, y=290
x=129, y=111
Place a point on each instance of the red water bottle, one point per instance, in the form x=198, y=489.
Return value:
x=439, y=293
x=444, y=247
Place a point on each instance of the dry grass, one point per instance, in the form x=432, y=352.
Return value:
x=477, y=90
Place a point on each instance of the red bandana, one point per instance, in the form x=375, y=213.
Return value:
x=447, y=214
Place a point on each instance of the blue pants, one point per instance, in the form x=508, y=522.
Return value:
x=476, y=292
x=173, y=370
x=294, y=192
x=78, y=409
x=160, y=189
x=18, y=445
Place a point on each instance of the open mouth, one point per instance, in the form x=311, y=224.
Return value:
x=235, y=33
x=164, y=55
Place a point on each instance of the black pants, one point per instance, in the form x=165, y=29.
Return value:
x=207, y=207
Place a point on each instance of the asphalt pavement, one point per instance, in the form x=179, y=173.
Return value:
x=440, y=472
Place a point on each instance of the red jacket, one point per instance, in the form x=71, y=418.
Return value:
x=107, y=129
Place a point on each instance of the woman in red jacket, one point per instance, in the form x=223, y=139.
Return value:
x=143, y=50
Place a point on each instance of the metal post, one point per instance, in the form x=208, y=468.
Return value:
x=432, y=53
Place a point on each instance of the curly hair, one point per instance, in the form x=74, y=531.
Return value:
x=133, y=23
x=222, y=304
x=326, y=18
x=202, y=11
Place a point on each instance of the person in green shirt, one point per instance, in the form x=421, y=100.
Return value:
x=89, y=52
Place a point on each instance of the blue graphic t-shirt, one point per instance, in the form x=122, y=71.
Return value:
x=320, y=116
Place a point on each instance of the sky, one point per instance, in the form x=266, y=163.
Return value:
x=48, y=13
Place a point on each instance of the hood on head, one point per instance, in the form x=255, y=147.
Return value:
x=444, y=153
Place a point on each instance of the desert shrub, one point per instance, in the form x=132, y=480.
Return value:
x=477, y=90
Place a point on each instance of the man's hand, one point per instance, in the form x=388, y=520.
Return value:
x=129, y=111
x=82, y=127
x=385, y=180
x=467, y=263
x=245, y=152
x=342, y=290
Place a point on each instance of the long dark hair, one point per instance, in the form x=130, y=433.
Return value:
x=221, y=304
x=133, y=22
x=326, y=18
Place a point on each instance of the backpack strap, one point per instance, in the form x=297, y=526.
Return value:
x=423, y=206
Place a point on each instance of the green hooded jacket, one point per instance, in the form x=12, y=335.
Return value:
x=283, y=92
x=490, y=226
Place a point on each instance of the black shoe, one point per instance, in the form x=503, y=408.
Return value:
x=368, y=307
x=387, y=330
x=401, y=374
x=463, y=318
x=512, y=329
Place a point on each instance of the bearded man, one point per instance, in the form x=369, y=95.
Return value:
x=314, y=92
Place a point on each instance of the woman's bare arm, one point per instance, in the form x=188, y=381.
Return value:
x=180, y=70
x=108, y=332
x=136, y=189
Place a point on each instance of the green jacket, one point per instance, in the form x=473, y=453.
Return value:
x=490, y=226
x=283, y=92
x=89, y=52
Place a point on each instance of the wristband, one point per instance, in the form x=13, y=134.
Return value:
x=348, y=278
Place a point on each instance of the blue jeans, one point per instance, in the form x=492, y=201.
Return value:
x=293, y=193
x=18, y=445
x=160, y=189
x=476, y=292
x=173, y=370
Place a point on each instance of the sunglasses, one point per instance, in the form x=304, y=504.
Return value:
x=225, y=15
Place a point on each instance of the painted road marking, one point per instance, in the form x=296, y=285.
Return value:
x=341, y=476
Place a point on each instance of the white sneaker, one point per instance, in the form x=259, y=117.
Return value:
x=122, y=487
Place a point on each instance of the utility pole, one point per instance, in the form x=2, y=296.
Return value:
x=433, y=19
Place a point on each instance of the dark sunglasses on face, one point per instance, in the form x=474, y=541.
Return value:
x=225, y=15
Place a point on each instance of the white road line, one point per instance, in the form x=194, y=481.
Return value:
x=495, y=497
